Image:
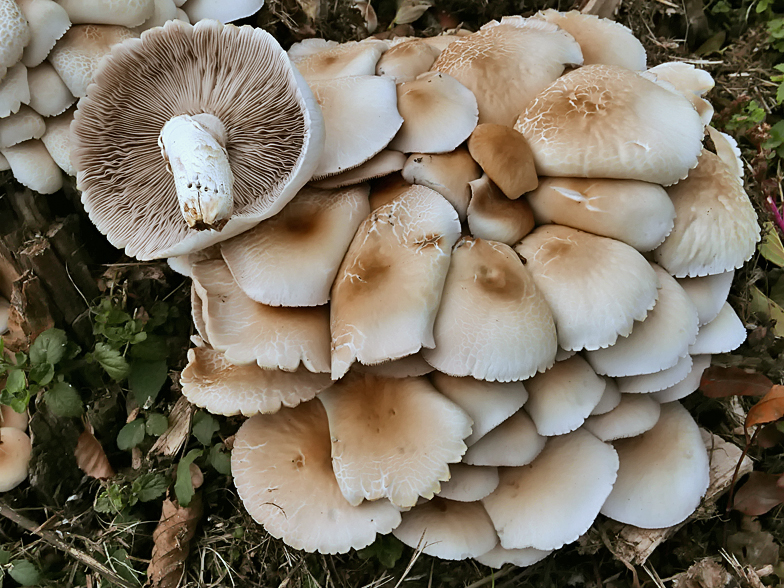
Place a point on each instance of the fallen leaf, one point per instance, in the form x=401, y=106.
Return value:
x=769, y=436
x=91, y=458
x=771, y=247
x=763, y=306
x=410, y=10
x=719, y=382
x=172, y=539
x=767, y=410
x=759, y=494
x=706, y=573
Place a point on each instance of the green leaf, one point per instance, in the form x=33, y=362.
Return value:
x=123, y=567
x=5, y=557
x=149, y=486
x=386, y=549
x=111, y=500
x=131, y=435
x=763, y=306
x=771, y=247
x=777, y=291
x=111, y=361
x=16, y=381
x=48, y=347
x=183, y=487
x=64, y=401
x=42, y=374
x=19, y=404
x=156, y=424
x=220, y=459
x=146, y=379
x=153, y=348
x=204, y=427
x=24, y=572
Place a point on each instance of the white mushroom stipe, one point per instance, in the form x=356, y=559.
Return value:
x=195, y=148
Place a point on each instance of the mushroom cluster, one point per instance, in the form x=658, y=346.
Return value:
x=472, y=328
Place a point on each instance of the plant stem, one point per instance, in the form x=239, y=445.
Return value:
x=776, y=214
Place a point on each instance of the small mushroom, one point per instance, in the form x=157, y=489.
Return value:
x=15, y=452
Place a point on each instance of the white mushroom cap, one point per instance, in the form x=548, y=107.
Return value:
x=57, y=140
x=494, y=217
x=222, y=11
x=507, y=64
x=383, y=163
x=562, y=398
x=601, y=39
x=635, y=414
x=447, y=173
x=723, y=334
x=392, y=438
x=498, y=556
x=129, y=13
x=611, y=397
x=688, y=385
x=716, y=228
x=360, y=119
x=640, y=214
x=49, y=96
x=663, y=473
x=164, y=10
x=728, y=151
x=595, y=286
x=181, y=14
x=34, y=167
x=469, y=483
x=277, y=462
x=318, y=60
x=388, y=289
x=14, y=90
x=487, y=403
x=448, y=529
x=646, y=383
x=197, y=310
x=405, y=61
x=709, y=293
x=554, y=500
x=17, y=420
x=684, y=77
x=15, y=33
x=5, y=307
x=515, y=442
x=183, y=264
x=493, y=323
x=656, y=343
x=405, y=367
x=292, y=258
x=48, y=22
x=212, y=382
x=602, y=121
x=438, y=113
x=15, y=452
x=274, y=337
x=23, y=125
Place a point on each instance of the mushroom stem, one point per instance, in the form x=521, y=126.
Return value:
x=194, y=147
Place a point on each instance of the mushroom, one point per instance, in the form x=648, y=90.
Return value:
x=14, y=90
x=49, y=96
x=130, y=13
x=383, y=163
x=317, y=59
x=406, y=60
x=34, y=167
x=688, y=385
x=223, y=11
x=48, y=22
x=498, y=556
x=722, y=335
x=469, y=483
x=515, y=442
x=506, y=158
x=494, y=217
x=15, y=452
x=635, y=414
x=10, y=418
x=15, y=33
x=646, y=383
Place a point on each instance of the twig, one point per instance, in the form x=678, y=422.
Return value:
x=492, y=577
x=55, y=541
x=776, y=214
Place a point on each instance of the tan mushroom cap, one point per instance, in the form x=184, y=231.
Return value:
x=562, y=398
x=292, y=258
x=405, y=367
x=15, y=452
x=494, y=217
x=57, y=140
x=129, y=13
x=360, y=119
x=498, y=556
x=493, y=323
x=34, y=167
x=388, y=288
x=602, y=121
x=447, y=173
x=15, y=33
x=635, y=414
x=663, y=473
x=469, y=483
x=10, y=418
x=277, y=462
x=515, y=442
x=689, y=384
x=122, y=119
x=76, y=55
x=213, y=383
x=601, y=40
x=383, y=163
x=274, y=337
x=487, y=403
x=14, y=90
x=646, y=383
x=448, y=529
x=555, y=499
x=405, y=61
x=656, y=343
x=505, y=157
x=507, y=64
x=595, y=286
x=638, y=213
x=386, y=189
x=48, y=22
x=23, y=125
x=611, y=397
x=439, y=113
x=392, y=438
x=339, y=61
x=49, y=96
x=723, y=334
x=716, y=228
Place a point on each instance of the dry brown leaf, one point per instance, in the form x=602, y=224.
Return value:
x=767, y=410
x=91, y=458
x=172, y=539
x=759, y=494
x=718, y=382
